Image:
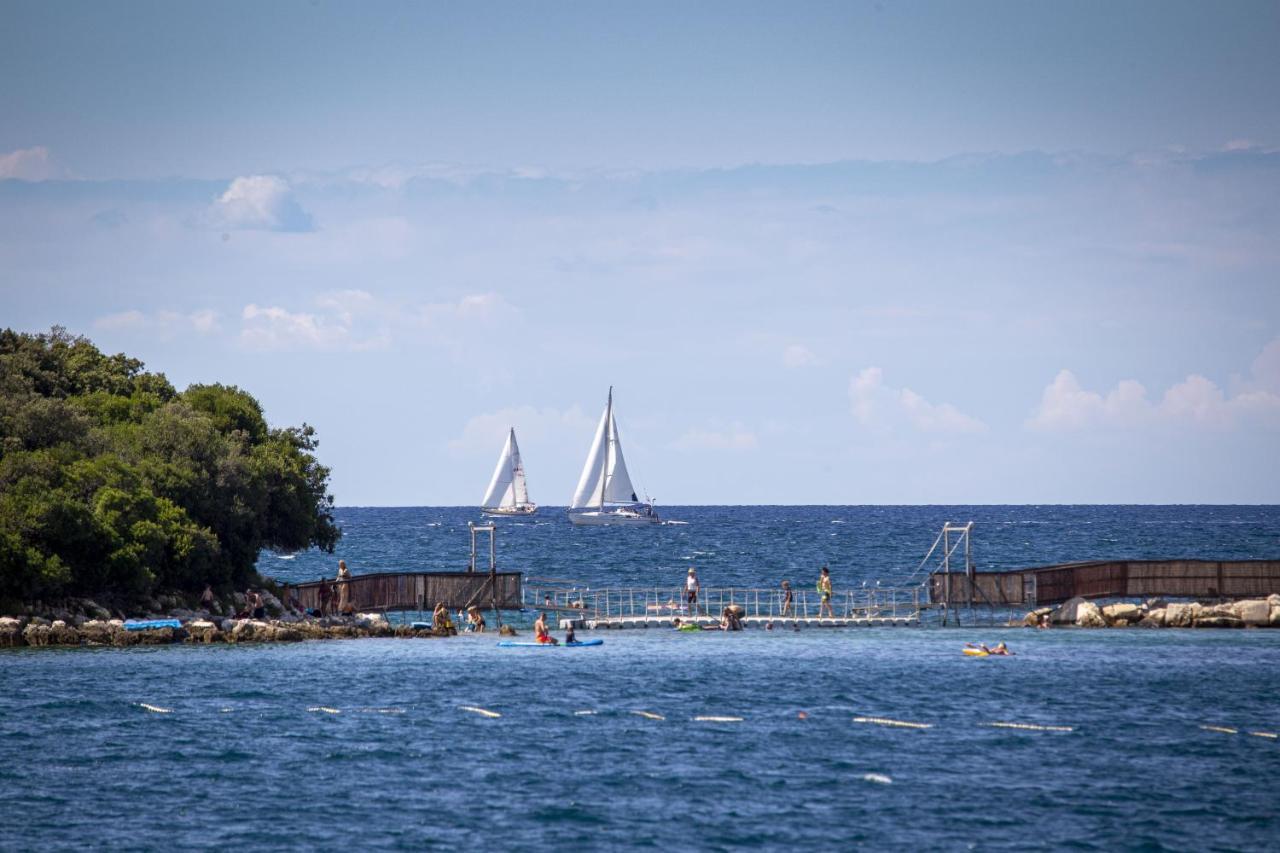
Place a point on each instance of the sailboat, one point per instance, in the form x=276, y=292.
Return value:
x=605, y=494
x=508, y=493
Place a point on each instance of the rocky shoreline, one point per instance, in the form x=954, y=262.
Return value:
x=83, y=622
x=1156, y=613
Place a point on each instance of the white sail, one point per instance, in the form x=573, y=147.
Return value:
x=507, y=488
x=604, y=477
x=588, y=491
x=519, y=487
x=499, y=490
x=618, y=488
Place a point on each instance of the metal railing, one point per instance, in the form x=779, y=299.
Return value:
x=670, y=602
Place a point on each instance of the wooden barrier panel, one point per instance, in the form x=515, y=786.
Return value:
x=1198, y=579
x=421, y=591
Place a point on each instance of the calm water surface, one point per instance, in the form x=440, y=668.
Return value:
x=243, y=760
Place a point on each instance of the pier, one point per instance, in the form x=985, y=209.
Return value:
x=658, y=607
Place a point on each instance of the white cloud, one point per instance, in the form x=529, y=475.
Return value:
x=1065, y=405
x=735, y=438
x=276, y=328
x=875, y=404
x=484, y=433
x=259, y=202
x=30, y=164
x=483, y=307
x=165, y=323
x=798, y=355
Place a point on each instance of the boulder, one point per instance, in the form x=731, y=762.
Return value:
x=1179, y=615
x=1219, y=622
x=1275, y=616
x=1153, y=619
x=1156, y=604
x=97, y=632
x=1121, y=613
x=62, y=634
x=1255, y=613
x=1067, y=612
x=93, y=610
x=203, y=631
x=36, y=634
x=1274, y=599
x=1089, y=616
x=11, y=632
x=1031, y=620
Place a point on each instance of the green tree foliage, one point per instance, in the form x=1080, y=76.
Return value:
x=111, y=482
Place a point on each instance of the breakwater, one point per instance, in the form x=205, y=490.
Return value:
x=1156, y=613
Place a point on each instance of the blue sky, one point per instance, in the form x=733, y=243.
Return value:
x=826, y=253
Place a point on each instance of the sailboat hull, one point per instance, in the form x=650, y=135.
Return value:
x=525, y=509
x=612, y=517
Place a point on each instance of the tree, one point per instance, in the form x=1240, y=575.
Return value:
x=113, y=483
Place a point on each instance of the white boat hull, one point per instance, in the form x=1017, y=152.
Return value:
x=525, y=509
x=613, y=517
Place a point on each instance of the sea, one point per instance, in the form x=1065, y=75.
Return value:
x=872, y=738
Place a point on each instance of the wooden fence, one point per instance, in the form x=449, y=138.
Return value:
x=421, y=590
x=1199, y=579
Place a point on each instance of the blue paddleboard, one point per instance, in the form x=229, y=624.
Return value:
x=148, y=624
x=510, y=644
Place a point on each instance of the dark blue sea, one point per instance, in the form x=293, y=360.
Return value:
x=369, y=743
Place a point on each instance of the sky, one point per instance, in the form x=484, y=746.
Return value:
x=845, y=253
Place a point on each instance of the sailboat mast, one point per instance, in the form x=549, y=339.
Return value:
x=608, y=446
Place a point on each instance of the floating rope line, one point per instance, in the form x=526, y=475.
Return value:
x=649, y=715
x=225, y=710
x=1031, y=727
x=323, y=709
x=884, y=721
x=484, y=712
x=878, y=778
x=1223, y=729
x=706, y=719
x=155, y=709
x=383, y=710
x=584, y=713
x=1271, y=735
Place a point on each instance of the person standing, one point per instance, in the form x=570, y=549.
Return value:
x=824, y=589
x=788, y=599
x=344, y=587
x=691, y=589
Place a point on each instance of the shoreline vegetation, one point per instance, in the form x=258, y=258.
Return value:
x=117, y=488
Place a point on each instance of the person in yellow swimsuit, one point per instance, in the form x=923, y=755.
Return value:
x=824, y=589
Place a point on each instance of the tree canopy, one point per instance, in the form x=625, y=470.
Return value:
x=112, y=482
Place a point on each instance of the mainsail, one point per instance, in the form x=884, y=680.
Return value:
x=604, y=477
x=508, y=487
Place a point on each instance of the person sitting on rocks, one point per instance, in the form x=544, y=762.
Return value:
x=256, y=605
x=440, y=621
x=475, y=620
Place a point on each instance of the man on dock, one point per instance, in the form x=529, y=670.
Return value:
x=824, y=589
x=691, y=589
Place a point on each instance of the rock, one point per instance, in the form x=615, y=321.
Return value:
x=1153, y=619
x=1067, y=612
x=204, y=631
x=1179, y=615
x=97, y=632
x=1274, y=599
x=93, y=610
x=1121, y=613
x=36, y=634
x=1156, y=604
x=62, y=634
x=1275, y=616
x=1031, y=620
x=506, y=631
x=11, y=632
x=1255, y=613
x=1219, y=622
x=1089, y=616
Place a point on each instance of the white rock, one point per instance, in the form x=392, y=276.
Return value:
x=1255, y=612
x=1089, y=616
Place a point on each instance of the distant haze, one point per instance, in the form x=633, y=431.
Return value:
x=825, y=253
